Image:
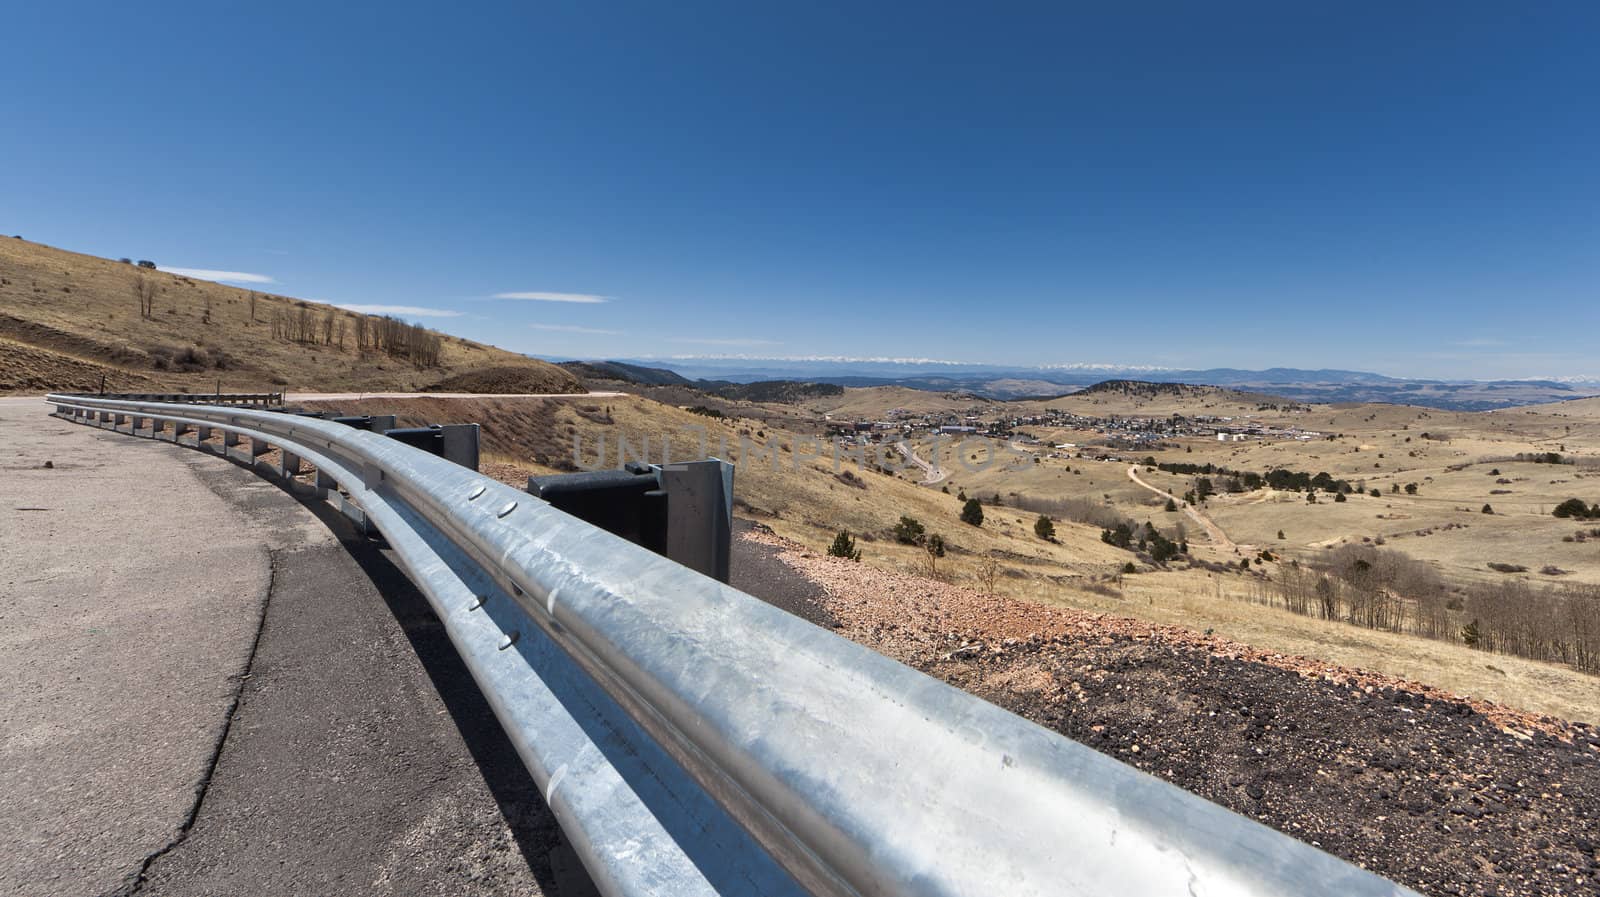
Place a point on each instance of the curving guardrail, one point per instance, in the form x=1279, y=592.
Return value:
x=693, y=740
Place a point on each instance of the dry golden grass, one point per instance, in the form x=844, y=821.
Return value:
x=1220, y=603
x=809, y=503
x=80, y=316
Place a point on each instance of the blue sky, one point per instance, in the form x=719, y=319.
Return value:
x=1408, y=188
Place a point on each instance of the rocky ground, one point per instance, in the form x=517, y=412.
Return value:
x=1446, y=795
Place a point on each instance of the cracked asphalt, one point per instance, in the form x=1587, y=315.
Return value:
x=212, y=688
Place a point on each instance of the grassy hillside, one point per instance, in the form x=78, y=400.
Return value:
x=809, y=502
x=67, y=320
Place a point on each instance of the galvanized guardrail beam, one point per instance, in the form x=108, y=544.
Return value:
x=695, y=740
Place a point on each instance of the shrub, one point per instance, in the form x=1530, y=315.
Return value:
x=972, y=513
x=844, y=547
x=1129, y=568
x=1121, y=536
x=909, y=531
x=1339, y=496
x=1172, y=505
x=1508, y=568
x=1487, y=508
x=1280, y=534
x=1576, y=509
x=1411, y=488
x=1044, y=528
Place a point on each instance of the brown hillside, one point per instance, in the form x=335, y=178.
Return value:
x=68, y=319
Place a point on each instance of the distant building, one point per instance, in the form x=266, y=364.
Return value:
x=955, y=428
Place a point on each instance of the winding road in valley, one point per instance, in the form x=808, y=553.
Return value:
x=931, y=475
x=1217, y=536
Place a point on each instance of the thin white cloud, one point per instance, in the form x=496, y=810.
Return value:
x=573, y=328
x=580, y=298
x=700, y=341
x=219, y=276
x=409, y=311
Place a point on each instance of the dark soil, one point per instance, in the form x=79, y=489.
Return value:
x=1426, y=792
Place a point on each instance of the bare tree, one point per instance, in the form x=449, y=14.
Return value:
x=253, y=297
x=988, y=571
x=145, y=290
x=933, y=548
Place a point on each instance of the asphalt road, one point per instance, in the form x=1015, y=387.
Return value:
x=931, y=476
x=210, y=690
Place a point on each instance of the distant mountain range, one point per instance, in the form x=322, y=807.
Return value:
x=1002, y=382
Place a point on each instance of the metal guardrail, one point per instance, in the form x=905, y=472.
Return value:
x=253, y=399
x=693, y=740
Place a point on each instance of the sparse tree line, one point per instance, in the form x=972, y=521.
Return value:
x=1385, y=589
x=299, y=322
x=302, y=324
x=1247, y=481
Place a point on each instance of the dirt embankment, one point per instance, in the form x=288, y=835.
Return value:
x=510, y=379
x=1446, y=795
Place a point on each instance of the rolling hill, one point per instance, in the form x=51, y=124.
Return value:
x=73, y=321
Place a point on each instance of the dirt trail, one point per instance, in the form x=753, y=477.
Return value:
x=1217, y=536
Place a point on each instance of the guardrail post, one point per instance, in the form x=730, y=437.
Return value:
x=258, y=447
x=683, y=511
x=229, y=440
x=700, y=515
x=288, y=465
x=461, y=444
x=325, y=484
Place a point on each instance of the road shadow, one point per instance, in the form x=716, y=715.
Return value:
x=533, y=826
